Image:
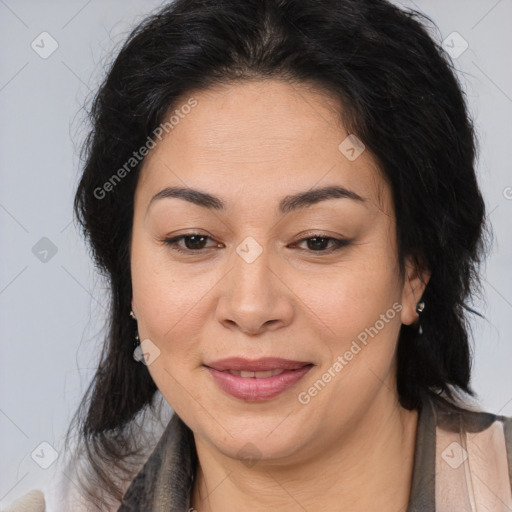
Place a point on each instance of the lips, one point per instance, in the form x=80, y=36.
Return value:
x=257, y=379
x=263, y=364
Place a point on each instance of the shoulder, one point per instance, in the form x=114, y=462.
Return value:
x=33, y=501
x=467, y=417
x=473, y=453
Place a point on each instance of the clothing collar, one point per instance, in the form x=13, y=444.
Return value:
x=165, y=482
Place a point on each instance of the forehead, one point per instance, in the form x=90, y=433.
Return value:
x=260, y=139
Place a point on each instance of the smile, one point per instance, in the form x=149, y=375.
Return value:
x=256, y=380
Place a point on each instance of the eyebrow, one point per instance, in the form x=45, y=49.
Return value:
x=288, y=204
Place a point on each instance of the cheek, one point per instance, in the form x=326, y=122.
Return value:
x=170, y=313
x=170, y=298
x=361, y=322
x=351, y=296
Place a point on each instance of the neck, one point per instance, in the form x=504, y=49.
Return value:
x=369, y=469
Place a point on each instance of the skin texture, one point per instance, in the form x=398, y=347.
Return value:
x=251, y=144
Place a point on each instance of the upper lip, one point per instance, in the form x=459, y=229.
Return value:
x=255, y=365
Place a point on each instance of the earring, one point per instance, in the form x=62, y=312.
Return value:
x=136, y=342
x=419, y=309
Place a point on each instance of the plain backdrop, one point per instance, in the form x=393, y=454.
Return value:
x=52, y=304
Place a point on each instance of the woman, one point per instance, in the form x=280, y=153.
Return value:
x=290, y=248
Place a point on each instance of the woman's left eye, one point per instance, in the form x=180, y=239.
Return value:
x=195, y=242
x=319, y=243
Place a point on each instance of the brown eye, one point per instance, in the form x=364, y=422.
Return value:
x=193, y=242
x=319, y=243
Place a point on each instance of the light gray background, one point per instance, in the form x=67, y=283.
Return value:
x=52, y=311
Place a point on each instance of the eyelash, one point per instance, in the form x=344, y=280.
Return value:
x=173, y=243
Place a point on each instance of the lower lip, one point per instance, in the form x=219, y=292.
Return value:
x=254, y=389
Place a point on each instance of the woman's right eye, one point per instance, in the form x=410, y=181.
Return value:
x=194, y=242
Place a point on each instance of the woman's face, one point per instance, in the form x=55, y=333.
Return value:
x=263, y=276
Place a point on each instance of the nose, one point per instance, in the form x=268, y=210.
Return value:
x=255, y=296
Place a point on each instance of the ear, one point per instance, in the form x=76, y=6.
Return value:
x=415, y=282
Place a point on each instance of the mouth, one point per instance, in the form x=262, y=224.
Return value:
x=256, y=375
x=258, y=379
x=264, y=364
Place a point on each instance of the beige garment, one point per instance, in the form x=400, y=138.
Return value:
x=472, y=465
x=33, y=501
x=463, y=461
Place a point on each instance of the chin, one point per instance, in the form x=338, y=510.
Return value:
x=257, y=440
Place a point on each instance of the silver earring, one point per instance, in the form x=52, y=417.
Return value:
x=419, y=309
